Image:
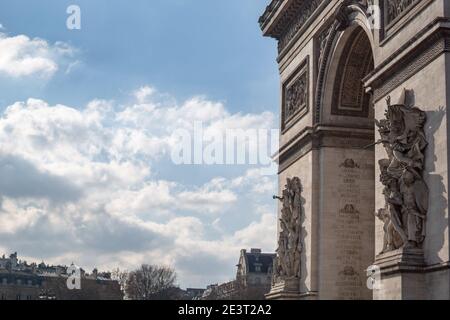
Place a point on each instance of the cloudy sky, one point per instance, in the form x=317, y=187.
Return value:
x=87, y=127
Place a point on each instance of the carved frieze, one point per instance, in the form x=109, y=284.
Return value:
x=405, y=191
x=294, y=16
x=296, y=95
x=304, y=11
x=395, y=8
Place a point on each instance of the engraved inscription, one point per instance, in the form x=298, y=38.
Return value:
x=348, y=234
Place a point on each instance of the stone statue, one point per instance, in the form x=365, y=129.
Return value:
x=405, y=191
x=394, y=235
x=287, y=262
x=415, y=206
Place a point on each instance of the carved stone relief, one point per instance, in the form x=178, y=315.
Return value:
x=395, y=8
x=295, y=17
x=304, y=12
x=287, y=262
x=405, y=191
x=296, y=95
x=322, y=42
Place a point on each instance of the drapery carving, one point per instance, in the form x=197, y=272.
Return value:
x=287, y=262
x=405, y=191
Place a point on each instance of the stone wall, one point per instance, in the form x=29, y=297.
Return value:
x=341, y=234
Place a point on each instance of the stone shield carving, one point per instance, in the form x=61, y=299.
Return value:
x=405, y=191
x=287, y=262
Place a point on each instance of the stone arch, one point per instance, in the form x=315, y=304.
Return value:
x=346, y=117
x=350, y=21
x=344, y=97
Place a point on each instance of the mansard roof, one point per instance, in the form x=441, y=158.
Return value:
x=256, y=258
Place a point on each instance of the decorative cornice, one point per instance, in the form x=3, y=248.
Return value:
x=302, y=12
x=397, y=261
x=268, y=14
x=319, y=137
x=284, y=18
x=394, y=70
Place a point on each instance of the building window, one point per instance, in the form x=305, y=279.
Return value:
x=5, y=281
x=29, y=297
x=258, y=267
x=18, y=297
x=3, y=296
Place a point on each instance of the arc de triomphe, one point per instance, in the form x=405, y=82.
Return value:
x=363, y=159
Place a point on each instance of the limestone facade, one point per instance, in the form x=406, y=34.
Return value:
x=339, y=60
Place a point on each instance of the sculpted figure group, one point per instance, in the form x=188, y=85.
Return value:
x=287, y=263
x=405, y=191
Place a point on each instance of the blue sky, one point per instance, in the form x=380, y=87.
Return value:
x=87, y=127
x=181, y=46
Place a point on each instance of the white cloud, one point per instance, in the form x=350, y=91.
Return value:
x=21, y=56
x=143, y=93
x=262, y=233
x=100, y=202
x=73, y=66
x=153, y=196
x=207, y=201
x=16, y=215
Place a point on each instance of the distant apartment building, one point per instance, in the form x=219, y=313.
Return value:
x=253, y=278
x=22, y=281
x=194, y=293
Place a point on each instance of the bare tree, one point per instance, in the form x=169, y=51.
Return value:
x=151, y=282
x=121, y=277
